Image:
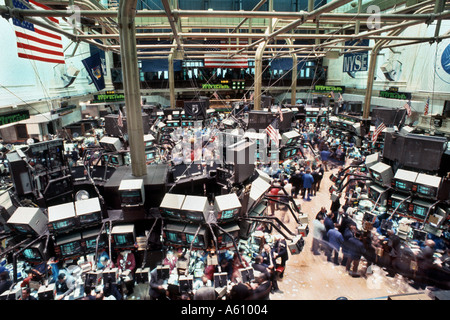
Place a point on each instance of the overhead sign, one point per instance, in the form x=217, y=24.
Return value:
x=356, y=61
x=335, y=89
x=108, y=96
x=215, y=86
x=14, y=117
x=395, y=95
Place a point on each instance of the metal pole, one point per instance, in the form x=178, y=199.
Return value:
x=171, y=79
x=130, y=71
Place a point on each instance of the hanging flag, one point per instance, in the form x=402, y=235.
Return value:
x=218, y=45
x=281, y=113
x=223, y=61
x=340, y=98
x=251, y=97
x=332, y=94
x=407, y=106
x=427, y=106
x=216, y=95
x=245, y=98
x=35, y=42
x=93, y=66
x=272, y=131
x=120, y=119
x=377, y=132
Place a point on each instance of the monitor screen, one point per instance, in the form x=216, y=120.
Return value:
x=22, y=228
x=71, y=248
x=149, y=144
x=426, y=190
x=115, y=160
x=170, y=213
x=419, y=211
x=131, y=196
x=403, y=185
x=91, y=244
x=32, y=254
x=228, y=214
x=196, y=242
x=63, y=224
x=173, y=237
x=89, y=218
x=195, y=216
x=123, y=240
x=289, y=141
x=376, y=175
x=396, y=204
x=150, y=155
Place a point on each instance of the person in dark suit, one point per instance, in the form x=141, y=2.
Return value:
x=5, y=281
x=261, y=288
x=269, y=261
x=157, y=289
x=280, y=251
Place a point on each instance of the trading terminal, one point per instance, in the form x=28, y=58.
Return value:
x=156, y=169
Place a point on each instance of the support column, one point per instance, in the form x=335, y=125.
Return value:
x=130, y=71
x=171, y=81
x=258, y=75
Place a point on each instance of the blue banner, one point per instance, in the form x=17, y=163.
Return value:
x=356, y=61
x=93, y=65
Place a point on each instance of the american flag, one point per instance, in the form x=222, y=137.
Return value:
x=223, y=61
x=340, y=97
x=427, y=105
x=332, y=94
x=208, y=44
x=281, y=113
x=407, y=106
x=251, y=97
x=272, y=131
x=120, y=119
x=377, y=132
x=216, y=95
x=34, y=42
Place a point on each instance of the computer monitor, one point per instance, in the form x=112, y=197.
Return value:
x=398, y=202
x=381, y=173
x=227, y=207
x=220, y=279
x=377, y=193
x=111, y=143
x=69, y=246
x=173, y=234
x=89, y=240
x=427, y=186
x=35, y=252
x=404, y=180
x=62, y=218
x=132, y=192
x=195, y=208
x=88, y=211
x=170, y=206
x=196, y=238
x=419, y=209
x=28, y=220
x=228, y=235
x=123, y=236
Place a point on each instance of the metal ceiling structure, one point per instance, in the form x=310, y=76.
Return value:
x=315, y=33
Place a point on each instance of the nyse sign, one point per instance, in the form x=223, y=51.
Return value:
x=356, y=62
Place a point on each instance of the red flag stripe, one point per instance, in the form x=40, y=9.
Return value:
x=33, y=57
x=35, y=39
